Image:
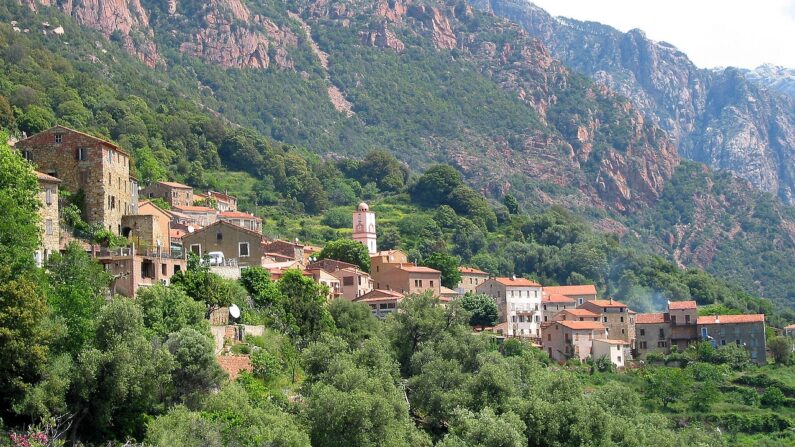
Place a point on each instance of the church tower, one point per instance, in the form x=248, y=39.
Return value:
x=364, y=227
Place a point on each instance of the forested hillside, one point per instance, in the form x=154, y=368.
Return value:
x=496, y=105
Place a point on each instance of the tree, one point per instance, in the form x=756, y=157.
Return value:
x=446, y=264
x=781, y=349
x=354, y=322
x=36, y=119
x=258, y=284
x=511, y=203
x=347, y=250
x=169, y=309
x=305, y=311
x=485, y=429
x=668, y=385
x=196, y=370
x=19, y=205
x=483, y=308
x=207, y=287
x=382, y=168
x=435, y=185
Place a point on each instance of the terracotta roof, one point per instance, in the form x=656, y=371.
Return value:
x=581, y=325
x=194, y=209
x=612, y=341
x=237, y=215
x=378, y=295
x=175, y=185
x=149, y=202
x=580, y=312
x=231, y=225
x=656, y=318
x=46, y=178
x=385, y=253
x=417, y=269
x=681, y=305
x=105, y=142
x=446, y=291
x=176, y=233
x=607, y=303
x=790, y=326
x=518, y=282
x=471, y=271
x=731, y=319
x=555, y=298
x=220, y=195
x=587, y=289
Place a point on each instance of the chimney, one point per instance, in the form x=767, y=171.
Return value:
x=611, y=300
x=717, y=319
x=513, y=277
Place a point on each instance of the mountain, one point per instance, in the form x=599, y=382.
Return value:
x=776, y=77
x=722, y=118
x=429, y=81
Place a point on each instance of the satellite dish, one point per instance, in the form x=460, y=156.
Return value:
x=234, y=311
x=191, y=229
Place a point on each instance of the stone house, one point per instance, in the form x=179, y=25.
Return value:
x=381, y=302
x=744, y=330
x=563, y=340
x=197, y=216
x=287, y=249
x=240, y=246
x=354, y=282
x=519, y=304
x=385, y=259
x=471, y=278
x=175, y=194
x=49, y=218
x=620, y=322
x=580, y=293
x=409, y=279
x=652, y=333
x=131, y=270
x=683, y=316
x=241, y=219
x=98, y=169
x=552, y=304
x=164, y=219
x=224, y=202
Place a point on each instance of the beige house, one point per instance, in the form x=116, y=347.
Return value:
x=325, y=278
x=49, y=218
x=612, y=350
x=563, y=340
x=409, y=279
x=519, y=304
x=175, y=194
x=381, y=302
x=471, y=278
x=131, y=270
x=383, y=259
x=225, y=202
x=744, y=330
x=580, y=294
x=240, y=246
x=97, y=168
x=552, y=304
x=197, y=216
x=575, y=315
x=354, y=282
x=615, y=316
x=241, y=219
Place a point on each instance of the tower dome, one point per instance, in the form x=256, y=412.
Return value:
x=363, y=207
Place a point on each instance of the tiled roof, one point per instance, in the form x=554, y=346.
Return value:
x=731, y=319
x=471, y=271
x=175, y=185
x=105, y=142
x=580, y=312
x=379, y=294
x=556, y=298
x=791, y=326
x=612, y=341
x=681, y=305
x=587, y=289
x=582, y=325
x=607, y=303
x=656, y=318
x=417, y=269
x=220, y=195
x=176, y=233
x=237, y=215
x=518, y=282
x=446, y=291
x=194, y=209
x=47, y=178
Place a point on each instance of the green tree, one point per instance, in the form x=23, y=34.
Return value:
x=195, y=370
x=446, y=264
x=305, y=312
x=485, y=429
x=36, y=119
x=511, y=203
x=19, y=205
x=207, y=287
x=781, y=349
x=347, y=250
x=169, y=309
x=483, y=309
x=435, y=185
x=382, y=168
x=668, y=385
x=258, y=284
x=354, y=322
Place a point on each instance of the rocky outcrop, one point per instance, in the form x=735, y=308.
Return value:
x=382, y=37
x=712, y=116
x=438, y=24
x=777, y=78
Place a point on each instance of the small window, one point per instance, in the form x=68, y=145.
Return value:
x=219, y=236
x=82, y=154
x=642, y=332
x=28, y=155
x=49, y=227
x=673, y=319
x=604, y=319
x=703, y=332
x=662, y=333
x=723, y=342
x=196, y=249
x=687, y=319
x=48, y=195
x=622, y=319
x=164, y=269
x=243, y=249
x=58, y=138
x=110, y=156
x=431, y=283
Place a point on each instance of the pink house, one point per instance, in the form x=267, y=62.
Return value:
x=567, y=339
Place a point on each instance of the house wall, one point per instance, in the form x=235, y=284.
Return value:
x=610, y=351
x=49, y=220
x=469, y=283
x=145, y=231
x=395, y=278
x=172, y=195
x=382, y=261
x=751, y=335
x=228, y=242
x=103, y=175
x=353, y=283
x=520, y=307
x=620, y=324
x=549, y=310
x=648, y=339
x=134, y=271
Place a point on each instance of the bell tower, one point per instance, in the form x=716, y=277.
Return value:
x=364, y=227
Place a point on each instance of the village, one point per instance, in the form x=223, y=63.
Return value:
x=566, y=322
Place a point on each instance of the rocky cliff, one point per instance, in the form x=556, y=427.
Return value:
x=716, y=117
x=776, y=77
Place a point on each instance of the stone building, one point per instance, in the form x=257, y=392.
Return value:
x=563, y=340
x=163, y=219
x=552, y=304
x=240, y=246
x=652, y=333
x=132, y=270
x=196, y=216
x=147, y=233
x=618, y=319
x=519, y=304
x=381, y=302
x=744, y=330
x=175, y=194
x=354, y=282
x=579, y=293
x=87, y=165
x=471, y=278
x=409, y=279
x=241, y=219
x=49, y=217
x=224, y=202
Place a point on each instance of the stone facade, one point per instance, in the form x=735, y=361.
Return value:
x=409, y=279
x=132, y=270
x=471, y=278
x=97, y=168
x=615, y=316
x=245, y=220
x=197, y=216
x=163, y=218
x=563, y=340
x=744, y=330
x=353, y=281
x=175, y=194
x=237, y=244
x=147, y=233
x=49, y=221
x=519, y=304
x=653, y=334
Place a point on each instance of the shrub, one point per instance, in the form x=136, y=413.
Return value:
x=773, y=397
x=265, y=365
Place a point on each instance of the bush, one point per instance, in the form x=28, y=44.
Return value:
x=265, y=365
x=337, y=218
x=773, y=397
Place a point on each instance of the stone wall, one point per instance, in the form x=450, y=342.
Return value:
x=49, y=215
x=172, y=194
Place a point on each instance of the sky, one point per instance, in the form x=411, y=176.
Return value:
x=713, y=33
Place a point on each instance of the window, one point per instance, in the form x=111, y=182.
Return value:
x=112, y=202
x=687, y=319
x=604, y=319
x=28, y=155
x=48, y=225
x=431, y=283
x=219, y=236
x=347, y=281
x=82, y=154
x=196, y=249
x=673, y=319
x=549, y=337
x=642, y=332
x=110, y=156
x=643, y=345
x=723, y=342
x=48, y=195
x=243, y=249
x=164, y=269
x=703, y=332
x=662, y=333
x=58, y=138
x=661, y=344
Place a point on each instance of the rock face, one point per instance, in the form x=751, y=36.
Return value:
x=777, y=78
x=716, y=117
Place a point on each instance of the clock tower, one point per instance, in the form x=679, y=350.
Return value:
x=364, y=227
